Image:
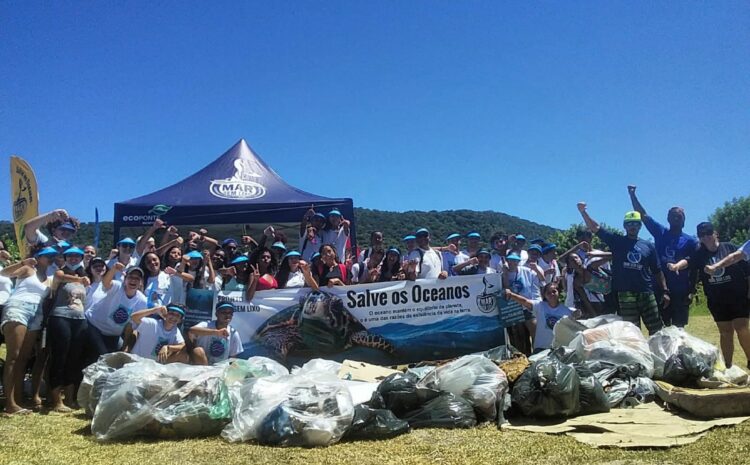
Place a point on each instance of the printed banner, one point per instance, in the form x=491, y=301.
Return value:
x=25, y=198
x=383, y=323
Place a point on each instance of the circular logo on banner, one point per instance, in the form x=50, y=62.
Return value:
x=486, y=303
x=216, y=349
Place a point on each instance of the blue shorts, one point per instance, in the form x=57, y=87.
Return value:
x=24, y=313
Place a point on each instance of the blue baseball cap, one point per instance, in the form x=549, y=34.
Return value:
x=279, y=245
x=320, y=215
x=126, y=241
x=69, y=226
x=176, y=309
x=63, y=245
x=47, y=251
x=549, y=247
x=393, y=250
x=292, y=253
x=73, y=251
x=452, y=236
x=535, y=247
x=473, y=235
x=314, y=256
x=334, y=212
x=422, y=232
x=513, y=256
x=228, y=240
x=410, y=237
x=483, y=251
x=225, y=306
x=520, y=237
x=240, y=259
x=194, y=254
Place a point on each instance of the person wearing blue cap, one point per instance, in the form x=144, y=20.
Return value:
x=548, y=263
x=290, y=273
x=672, y=245
x=21, y=323
x=60, y=225
x=158, y=283
x=410, y=244
x=517, y=242
x=478, y=264
x=215, y=341
x=473, y=245
x=66, y=330
x=124, y=255
x=499, y=242
x=424, y=262
x=236, y=276
x=391, y=270
x=452, y=254
x=369, y=271
x=108, y=318
x=522, y=281
x=310, y=233
x=336, y=233
x=160, y=339
x=263, y=267
x=635, y=267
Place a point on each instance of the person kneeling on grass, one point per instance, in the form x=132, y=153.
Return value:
x=215, y=341
x=547, y=313
x=160, y=340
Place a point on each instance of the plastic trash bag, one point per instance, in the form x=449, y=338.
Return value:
x=444, y=411
x=591, y=393
x=548, y=389
x=618, y=342
x=672, y=341
x=733, y=376
x=369, y=423
x=568, y=328
x=148, y=398
x=318, y=365
x=474, y=378
x=96, y=374
x=629, y=392
x=400, y=394
x=310, y=409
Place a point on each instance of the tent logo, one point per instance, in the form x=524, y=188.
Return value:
x=241, y=186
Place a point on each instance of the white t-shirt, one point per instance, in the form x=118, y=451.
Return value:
x=110, y=314
x=152, y=337
x=94, y=294
x=497, y=261
x=308, y=247
x=431, y=264
x=296, y=279
x=157, y=290
x=526, y=283
x=551, y=271
x=119, y=274
x=746, y=250
x=6, y=288
x=546, y=319
x=338, y=239
x=219, y=348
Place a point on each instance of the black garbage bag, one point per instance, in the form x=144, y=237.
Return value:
x=369, y=423
x=591, y=395
x=547, y=389
x=444, y=411
x=399, y=393
x=686, y=367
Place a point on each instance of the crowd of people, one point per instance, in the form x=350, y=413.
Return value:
x=66, y=304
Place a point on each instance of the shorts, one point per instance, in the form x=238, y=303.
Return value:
x=24, y=313
x=728, y=311
x=527, y=315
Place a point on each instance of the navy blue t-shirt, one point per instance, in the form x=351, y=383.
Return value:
x=671, y=249
x=634, y=262
x=726, y=284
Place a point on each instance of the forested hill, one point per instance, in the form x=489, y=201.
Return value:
x=394, y=226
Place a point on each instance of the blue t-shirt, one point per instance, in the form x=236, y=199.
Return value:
x=634, y=262
x=671, y=249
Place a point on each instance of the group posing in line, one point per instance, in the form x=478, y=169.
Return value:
x=65, y=306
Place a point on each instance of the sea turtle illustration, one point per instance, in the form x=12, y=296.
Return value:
x=159, y=210
x=320, y=323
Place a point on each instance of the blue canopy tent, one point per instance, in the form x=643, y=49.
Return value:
x=237, y=188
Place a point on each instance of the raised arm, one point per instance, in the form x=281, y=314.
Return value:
x=305, y=219
x=309, y=278
x=109, y=276
x=525, y=303
x=590, y=223
x=22, y=269
x=140, y=247
x=37, y=222
x=635, y=202
x=136, y=317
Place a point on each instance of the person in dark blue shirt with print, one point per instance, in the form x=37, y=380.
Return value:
x=635, y=265
x=672, y=245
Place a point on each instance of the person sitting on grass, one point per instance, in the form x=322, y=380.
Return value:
x=547, y=313
x=160, y=340
x=215, y=341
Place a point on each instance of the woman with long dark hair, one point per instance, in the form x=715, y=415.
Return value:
x=263, y=267
x=156, y=283
x=328, y=271
x=290, y=273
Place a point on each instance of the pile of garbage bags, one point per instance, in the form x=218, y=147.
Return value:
x=597, y=365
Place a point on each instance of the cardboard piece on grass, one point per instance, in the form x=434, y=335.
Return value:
x=646, y=425
x=361, y=371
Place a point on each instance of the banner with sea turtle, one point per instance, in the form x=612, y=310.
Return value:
x=383, y=323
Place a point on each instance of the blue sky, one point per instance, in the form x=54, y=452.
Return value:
x=519, y=107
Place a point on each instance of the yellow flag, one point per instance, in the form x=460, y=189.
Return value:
x=25, y=198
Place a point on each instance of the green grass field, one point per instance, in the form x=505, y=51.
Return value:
x=66, y=439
